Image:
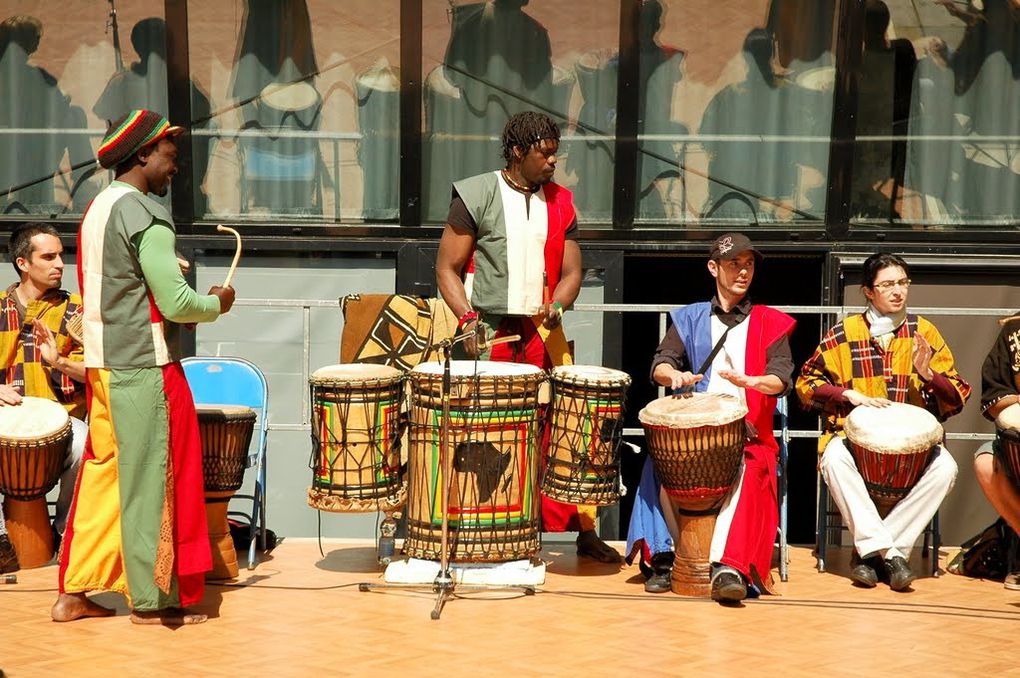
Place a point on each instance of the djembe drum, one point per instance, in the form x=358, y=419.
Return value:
x=226, y=432
x=585, y=429
x=1007, y=441
x=33, y=448
x=697, y=446
x=491, y=462
x=892, y=447
x=356, y=430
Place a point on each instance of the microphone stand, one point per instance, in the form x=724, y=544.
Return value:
x=444, y=585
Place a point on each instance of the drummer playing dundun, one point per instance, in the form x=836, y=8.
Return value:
x=754, y=364
x=40, y=357
x=869, y=360
x=509, y=261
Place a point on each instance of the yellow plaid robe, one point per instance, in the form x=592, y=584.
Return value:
x=23, y=367
x=849, y=357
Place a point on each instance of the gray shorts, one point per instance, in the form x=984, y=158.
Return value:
x=988, y=447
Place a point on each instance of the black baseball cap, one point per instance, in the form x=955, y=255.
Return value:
x=730, y=246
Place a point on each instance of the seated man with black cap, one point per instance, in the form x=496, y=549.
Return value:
x=732, y=346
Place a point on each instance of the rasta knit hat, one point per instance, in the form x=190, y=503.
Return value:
x=132, y=132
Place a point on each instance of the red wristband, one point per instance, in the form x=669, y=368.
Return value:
x=466, y=318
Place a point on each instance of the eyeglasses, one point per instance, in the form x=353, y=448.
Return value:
x=887, y=285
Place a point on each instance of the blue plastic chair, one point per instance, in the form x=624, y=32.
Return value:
x=782, y=484
x=236, y=381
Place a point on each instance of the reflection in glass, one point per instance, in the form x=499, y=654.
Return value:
x=506, y=56
x=963, y=157
x=498, y=62
x=143, y=85
x=38, y=125
x=274, y=86
x=884, y=95
x=765, y=135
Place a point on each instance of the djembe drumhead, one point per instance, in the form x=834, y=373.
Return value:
x=892, y=447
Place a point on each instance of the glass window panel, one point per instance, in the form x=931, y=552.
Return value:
x=484, y=61
x=57, y=69
x=939, y=114
x=301, y=112
x=735, y=111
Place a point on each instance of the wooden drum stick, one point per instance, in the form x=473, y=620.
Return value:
x=237, y=253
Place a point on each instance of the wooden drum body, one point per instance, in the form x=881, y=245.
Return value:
x=892, y=447
x=34, y=437
x=585, y=430
x=356, y=439
x=226, y=432
x=491, y=462
x=697, y=446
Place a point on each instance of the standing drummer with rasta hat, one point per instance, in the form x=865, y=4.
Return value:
x=144, y=532
x=728, y=346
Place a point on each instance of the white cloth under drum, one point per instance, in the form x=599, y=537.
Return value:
x=512, y=573
x=896, y=534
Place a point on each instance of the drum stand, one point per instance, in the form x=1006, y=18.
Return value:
x=444, y=585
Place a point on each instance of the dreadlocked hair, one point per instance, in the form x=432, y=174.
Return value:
x=527, y=128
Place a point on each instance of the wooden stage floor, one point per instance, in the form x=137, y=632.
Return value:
x=298, y=614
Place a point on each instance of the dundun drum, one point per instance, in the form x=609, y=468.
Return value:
x=585, y=430
x=356, y=429
x=892, y=447
x=226, y=432
x=33, y=446
x=697, y=446
x=1007, y=441
x=491, y=462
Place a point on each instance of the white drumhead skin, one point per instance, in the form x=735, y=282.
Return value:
x=894, y=429
x=355, y=372
x=596, y=373
x=692, y=410
x=33, y=418
x=1009, y=418
x=225, y=409
x=467, y=368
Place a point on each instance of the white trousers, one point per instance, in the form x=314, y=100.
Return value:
x=68, y=478
x=896, y=534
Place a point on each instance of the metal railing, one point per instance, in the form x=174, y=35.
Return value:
x=839, y=311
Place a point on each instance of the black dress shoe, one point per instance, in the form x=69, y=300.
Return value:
x=659, y=574
x=862, y=571
x=659, y=583
x=8, y=556
x=900, y=574
x=728, y=587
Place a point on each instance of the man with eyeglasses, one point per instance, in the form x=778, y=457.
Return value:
x=753, y=363
x=872, y=359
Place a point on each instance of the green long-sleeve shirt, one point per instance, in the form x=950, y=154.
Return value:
x=174, y=297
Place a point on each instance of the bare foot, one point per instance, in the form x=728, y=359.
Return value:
x=71, y=606
x=171, y=616
x=589, y=545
